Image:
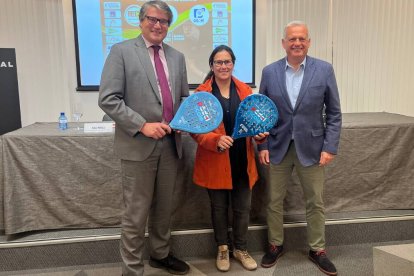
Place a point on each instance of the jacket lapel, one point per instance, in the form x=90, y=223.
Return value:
x=144, y=57
x=281, y=81
x=307, y=77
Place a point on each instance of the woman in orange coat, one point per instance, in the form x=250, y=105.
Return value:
x=224, y=166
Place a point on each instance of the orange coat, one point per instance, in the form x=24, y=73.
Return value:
x=212, y=168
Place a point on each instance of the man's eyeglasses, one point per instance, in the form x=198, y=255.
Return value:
x=219, y=63
x=153, y=20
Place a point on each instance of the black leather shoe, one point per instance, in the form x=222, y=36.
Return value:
x=171, y=264
x=322, y=262
x=273, y=253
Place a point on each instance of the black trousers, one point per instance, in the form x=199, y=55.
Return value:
x=239, y=199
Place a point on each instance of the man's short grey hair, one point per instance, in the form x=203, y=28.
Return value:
x=295, y=23
x=160, y=5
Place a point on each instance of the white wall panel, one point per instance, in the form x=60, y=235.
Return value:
x=35, y=29
x=316, y=13
x=373, y=54
x=273, y=15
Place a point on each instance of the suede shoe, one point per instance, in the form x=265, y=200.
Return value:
x=223, y=258
x=322, y=262
x=272, y=255
x=171, y=264
x=245, y=259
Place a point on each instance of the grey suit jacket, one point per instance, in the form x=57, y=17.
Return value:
x=305, y=120
x=129, y=95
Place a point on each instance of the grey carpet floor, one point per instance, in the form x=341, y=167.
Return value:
x=350, y=260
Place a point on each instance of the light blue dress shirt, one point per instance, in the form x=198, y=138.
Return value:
x=294, y=81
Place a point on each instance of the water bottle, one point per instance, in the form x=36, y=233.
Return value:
x=63, y=121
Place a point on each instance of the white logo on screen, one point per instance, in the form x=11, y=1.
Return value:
x=113, y=31
x=220, y=13
x=219, y=5
x=112, y=39
x=199, y=15
x=113, y=22
x=220, y=39
x=7, y=64
x=220, y=30
x=220, y=22
x=112, y=14
x=112, y=5
x=131, y=15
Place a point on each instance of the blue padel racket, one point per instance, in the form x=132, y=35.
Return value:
x=199, y=113
x=256, y=114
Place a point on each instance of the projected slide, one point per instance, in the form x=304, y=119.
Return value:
x=198, y=27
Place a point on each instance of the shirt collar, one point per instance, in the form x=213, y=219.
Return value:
x=149, y=44
x=287, y=65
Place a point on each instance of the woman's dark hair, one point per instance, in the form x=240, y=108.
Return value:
x=219, y=48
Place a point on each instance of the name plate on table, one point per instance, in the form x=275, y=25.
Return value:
x=98, y=127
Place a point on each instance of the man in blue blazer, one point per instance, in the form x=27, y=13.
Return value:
x=141, y=96
x=303, y=89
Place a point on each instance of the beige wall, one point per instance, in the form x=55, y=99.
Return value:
x=369, y=43
x=373, y=54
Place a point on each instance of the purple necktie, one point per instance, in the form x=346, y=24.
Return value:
x=167, y=104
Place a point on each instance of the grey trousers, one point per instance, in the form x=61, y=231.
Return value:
x=148, y=188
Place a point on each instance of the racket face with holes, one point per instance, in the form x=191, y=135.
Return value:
x=256, y=114
x=199, y=113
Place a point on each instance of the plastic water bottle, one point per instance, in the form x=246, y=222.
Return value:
x=63, y=121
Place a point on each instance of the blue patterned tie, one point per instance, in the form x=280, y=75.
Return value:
x=167, y=103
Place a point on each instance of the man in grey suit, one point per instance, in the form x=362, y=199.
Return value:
x=143, y=83
x=303, y=88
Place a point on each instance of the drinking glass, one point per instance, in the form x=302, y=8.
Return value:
x=77, y=114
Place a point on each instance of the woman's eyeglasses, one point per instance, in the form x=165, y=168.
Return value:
x=219, y=63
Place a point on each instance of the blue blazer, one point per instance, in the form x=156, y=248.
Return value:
x=305, y=120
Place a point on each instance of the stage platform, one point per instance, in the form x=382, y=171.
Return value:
x=350, y=237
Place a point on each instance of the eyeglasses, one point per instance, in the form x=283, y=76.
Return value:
x=294, y=39
x=153, y=20
x=219, y=63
